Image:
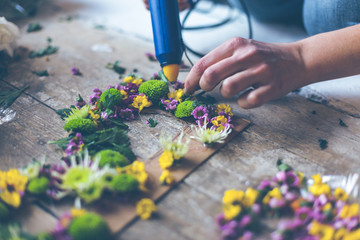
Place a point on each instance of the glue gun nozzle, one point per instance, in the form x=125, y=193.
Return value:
x=171, y=72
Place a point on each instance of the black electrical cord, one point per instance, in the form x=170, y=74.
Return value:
x=226, y=20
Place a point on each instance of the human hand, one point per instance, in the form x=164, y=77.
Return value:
x=183, y=4
x=272, y=69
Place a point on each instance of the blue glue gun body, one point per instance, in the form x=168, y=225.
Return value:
x=166, y=31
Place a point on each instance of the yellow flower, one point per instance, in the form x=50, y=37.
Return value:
x=317, y=179
x=137, y=81
x=123, y=94
x=323, y=231
x=133, y=79
x=177, y=94
x=250, y=197
x=166, y=160
x=233, y=197
x=141, y=101
x=321, y=188
x=75, y=212
x=300, y=175
x=145, y=208
x=129, y=79
x=12, y=186
x=219, y=119
x=231, y=211
x=340, y=194
x=95, y=117
x=354, y=235
x=224, y=108
x=327, y=207
x=136, y=169
x=340, y=234
x=275, y=193
x=350, y=211
x=167, y=178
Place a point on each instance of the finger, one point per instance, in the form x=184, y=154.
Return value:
x=255, y=98
x=243, y=80
x=223, y=51
x=216, y=73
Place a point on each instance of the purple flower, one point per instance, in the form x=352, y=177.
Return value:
x=130, y=88
x=200, y=112
x=245, y=220
x=104, y=115
x=276, y=236
x=291, y=224
x=288, y=178
x=220, y=220
x=256, y=208
x=155, y=76
x=76, y=71
x=178, y=85
x=290, y=196
x=304, y=214
x=96, y=96
x=320, y=201
x=280, y=176
x=352, y=223
x=170, y=104
x=126, y=114
x=74, y=145
x=277, y=203
x=151, y=57
x=229, y=230
x=264, y=184
x=80, y=102
x=247, y=236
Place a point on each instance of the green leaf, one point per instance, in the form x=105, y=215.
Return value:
x=152, y=123
x=8, y=97
x=43, y=73
x=64, y=112
x=33, y=27
x=62, y=142
x=163, y=77
x=282, y=166
x=119, y=123
x=116, y=67
x=43, y=52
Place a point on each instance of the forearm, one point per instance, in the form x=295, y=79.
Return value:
x=331, y=55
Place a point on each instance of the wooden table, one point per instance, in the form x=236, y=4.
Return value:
x=288, y=128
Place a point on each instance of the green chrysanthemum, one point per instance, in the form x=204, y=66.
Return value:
x=76, y=177
x=38, y=185
x=110, y=98
x=78, y=113
x=125, y=183
x=80, y=125
x=92, y=192
x=154, y=90
x=89, y=227
x=184, y=109
x=111, y=158
x=107, y=179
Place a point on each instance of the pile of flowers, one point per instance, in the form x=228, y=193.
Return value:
x=110, y=109
x=307, y=209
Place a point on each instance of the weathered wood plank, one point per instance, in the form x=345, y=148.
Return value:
x=184, y=214
x=26, y=136
x=35, y=220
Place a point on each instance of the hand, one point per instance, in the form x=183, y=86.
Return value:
x=183, y=4
x=271, y=69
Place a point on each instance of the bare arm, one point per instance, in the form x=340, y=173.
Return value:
x=274, y=69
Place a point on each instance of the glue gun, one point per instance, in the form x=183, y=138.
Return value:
x=167, y=36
